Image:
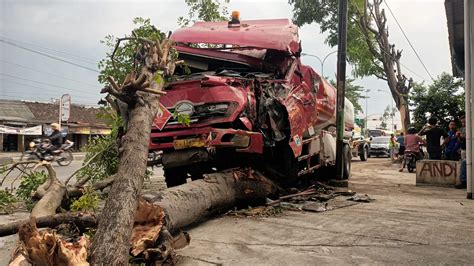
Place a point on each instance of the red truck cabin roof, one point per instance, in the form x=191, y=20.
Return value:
x=275, y=34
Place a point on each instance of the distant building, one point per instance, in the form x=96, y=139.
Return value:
x=22, y=121
x=374, y=122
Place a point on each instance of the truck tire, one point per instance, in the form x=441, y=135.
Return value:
x=347, y=162
x=364, y=154
x=174, y=176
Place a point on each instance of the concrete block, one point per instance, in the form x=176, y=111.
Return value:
x=437, y=172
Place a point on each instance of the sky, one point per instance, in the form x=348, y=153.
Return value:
x=72, y=29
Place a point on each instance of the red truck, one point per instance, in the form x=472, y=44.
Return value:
x=248, y=100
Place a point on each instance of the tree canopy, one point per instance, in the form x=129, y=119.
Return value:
x=204, y=10
x=443, y=99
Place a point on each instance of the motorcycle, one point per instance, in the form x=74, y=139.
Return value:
x=411, y=159
x=39, y=151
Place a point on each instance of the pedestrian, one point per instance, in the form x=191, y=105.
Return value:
x=412, y=143
x=401, y=143
x=391, y=146
x=462, y=175
x=452, y=143
x=433, y=138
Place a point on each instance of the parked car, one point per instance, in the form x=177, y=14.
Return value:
x=360, y=147
x=379, y=146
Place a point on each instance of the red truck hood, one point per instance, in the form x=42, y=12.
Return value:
x=200, y=93
x=275, y=34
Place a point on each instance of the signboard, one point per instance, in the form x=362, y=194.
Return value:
x=80, y=130
x=65, y=107
x=33, y=131
x=100, y=131
x=437, y=172
x=162, y=117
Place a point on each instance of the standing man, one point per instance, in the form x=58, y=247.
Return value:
x=462, y=176
x=433, y=138
x=401, y=142
x=452, y=143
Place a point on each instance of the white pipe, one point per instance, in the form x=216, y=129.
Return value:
x=469, y=75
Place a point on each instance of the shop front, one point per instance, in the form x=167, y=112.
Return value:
x=14, y=137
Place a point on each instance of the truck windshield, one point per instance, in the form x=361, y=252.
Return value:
x=264, y=63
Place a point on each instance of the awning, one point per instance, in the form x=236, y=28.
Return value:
x=34, y=131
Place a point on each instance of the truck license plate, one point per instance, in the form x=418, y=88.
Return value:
x=180, y=144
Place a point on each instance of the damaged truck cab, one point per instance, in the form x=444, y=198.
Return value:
x=245, y=98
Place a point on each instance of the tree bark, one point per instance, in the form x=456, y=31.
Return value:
x=111, y=242
x=48, y=204
x=191, y=202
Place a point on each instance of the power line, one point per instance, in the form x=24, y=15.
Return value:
x=77, y=57
x=44, y=83
x=47, y=89
x=47, y=73
x=19, y=98
x=48, y=55
x=385, y=52
x=408, y=40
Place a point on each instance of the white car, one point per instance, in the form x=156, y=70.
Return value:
x=379, y=146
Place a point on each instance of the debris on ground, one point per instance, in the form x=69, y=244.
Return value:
x=361, y=198
x=319, y=197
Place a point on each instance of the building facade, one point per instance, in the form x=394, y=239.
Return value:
x=22, y=121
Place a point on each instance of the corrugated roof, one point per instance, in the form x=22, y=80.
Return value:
x=38, y=112
x=455, y=18
x=15, y=111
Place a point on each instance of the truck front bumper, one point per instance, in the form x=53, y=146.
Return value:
x=241, y=140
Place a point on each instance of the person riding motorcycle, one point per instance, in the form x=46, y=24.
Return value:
x=56, y=138
x=412, y=145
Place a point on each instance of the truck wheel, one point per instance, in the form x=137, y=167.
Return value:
x=347, y=162
x=364, y=154
x=174, y=176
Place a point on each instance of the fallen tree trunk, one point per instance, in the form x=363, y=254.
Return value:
x=191, y=202
x=172, y=209
x=48, y=204
x=81, y=220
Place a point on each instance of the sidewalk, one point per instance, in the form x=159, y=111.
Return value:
x=9, y=157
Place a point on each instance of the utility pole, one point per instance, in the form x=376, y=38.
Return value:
x=341, y=87
x=469, y=79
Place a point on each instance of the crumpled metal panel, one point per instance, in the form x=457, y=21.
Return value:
x=275, y=34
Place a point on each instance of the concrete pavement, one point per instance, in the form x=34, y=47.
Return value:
x=406, y=224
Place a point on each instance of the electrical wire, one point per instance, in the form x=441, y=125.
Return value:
x=47, y=89
x=48, y=55
x=35, y=99
x=48, y=73
x=74, y=56
x=44, y=83
x=408, y=40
